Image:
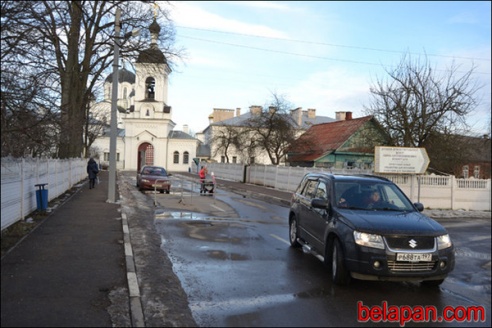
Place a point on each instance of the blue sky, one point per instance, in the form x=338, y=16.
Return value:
x=317, y=54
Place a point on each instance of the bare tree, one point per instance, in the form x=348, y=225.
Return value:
x=226, y=139
x=247, y=146
x=274, y=129
x=28, y=126
x=67, y=46
x=416, y=100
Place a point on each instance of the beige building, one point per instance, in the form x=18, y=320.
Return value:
x=221, y=121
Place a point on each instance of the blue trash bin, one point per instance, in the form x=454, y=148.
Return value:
x=41, y=197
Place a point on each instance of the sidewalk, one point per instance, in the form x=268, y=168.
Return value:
x=71, y=268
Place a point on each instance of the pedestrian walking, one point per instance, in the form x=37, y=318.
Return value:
x=92, y=171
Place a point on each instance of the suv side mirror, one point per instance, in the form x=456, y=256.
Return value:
x=319, y=203
x=322, y=204
x=419, y=206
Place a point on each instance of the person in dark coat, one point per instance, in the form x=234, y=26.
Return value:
x=92, y=170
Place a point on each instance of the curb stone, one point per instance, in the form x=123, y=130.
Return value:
x=136, y=311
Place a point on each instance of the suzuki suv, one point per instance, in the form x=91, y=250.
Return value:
x=365, y=227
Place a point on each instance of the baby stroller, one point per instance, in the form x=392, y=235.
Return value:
x=207, y=185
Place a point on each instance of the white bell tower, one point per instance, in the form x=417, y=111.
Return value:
x=149, y=125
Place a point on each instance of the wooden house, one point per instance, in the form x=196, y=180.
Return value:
x=346, y=143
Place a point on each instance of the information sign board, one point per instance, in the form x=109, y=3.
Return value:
x=400, y=160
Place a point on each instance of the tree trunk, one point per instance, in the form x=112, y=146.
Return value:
x=73, y=83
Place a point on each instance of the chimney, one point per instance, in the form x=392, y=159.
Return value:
x=348, y=116
x=340, y=116
x=297, y=115
x=221, y=114
x=186, y=129
x=238, y=112
x=311, y=112
x=255, y=110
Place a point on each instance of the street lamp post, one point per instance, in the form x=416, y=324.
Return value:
x=114, y=108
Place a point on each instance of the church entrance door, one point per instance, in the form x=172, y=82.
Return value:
x=145, y=155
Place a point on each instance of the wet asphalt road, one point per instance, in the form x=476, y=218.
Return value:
x=236, y=269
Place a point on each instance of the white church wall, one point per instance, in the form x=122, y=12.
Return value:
x=101, y=146
x=181, y=146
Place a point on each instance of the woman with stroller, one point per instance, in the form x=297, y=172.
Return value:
x=203, y=175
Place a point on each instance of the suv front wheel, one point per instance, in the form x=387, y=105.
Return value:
x=339, y=273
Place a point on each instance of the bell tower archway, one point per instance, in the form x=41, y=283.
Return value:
x=145, y=155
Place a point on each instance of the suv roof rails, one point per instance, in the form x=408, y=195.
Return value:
x=372, y=176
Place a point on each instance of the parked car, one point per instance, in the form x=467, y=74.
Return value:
x=334, y=218
x=153, y=178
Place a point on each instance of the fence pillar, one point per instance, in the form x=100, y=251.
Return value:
x=264, y=174
x=412, y=183
x=453, y=185
x=276, y=176
x=22, y=189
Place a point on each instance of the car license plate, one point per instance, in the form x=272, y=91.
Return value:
x=414, y=257
x=157, y=186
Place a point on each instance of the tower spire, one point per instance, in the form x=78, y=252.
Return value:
x=156, y=8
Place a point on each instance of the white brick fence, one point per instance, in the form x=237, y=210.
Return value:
x=19, y=177
x=435, y=192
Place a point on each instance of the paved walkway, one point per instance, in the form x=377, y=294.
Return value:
x=71, y=268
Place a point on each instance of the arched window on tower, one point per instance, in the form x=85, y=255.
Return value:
x=150, y=88
x=176, y=157
x=124, y=93
x=186, y=157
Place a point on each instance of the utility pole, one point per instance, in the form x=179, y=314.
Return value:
x=114, y=108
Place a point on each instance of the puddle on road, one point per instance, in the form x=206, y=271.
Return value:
x=465, y=252
x=162, y=214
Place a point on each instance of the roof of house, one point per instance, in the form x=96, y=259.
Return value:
x=124, y=75
x=179, y=135
x=242, y=120
x=324, y=138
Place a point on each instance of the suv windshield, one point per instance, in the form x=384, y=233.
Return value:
x=368, y=195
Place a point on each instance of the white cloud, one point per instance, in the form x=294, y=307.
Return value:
x=464, y=18
x=332, y=90
x=189, y=15
x=262, y=4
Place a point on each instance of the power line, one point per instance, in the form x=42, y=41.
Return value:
x=296, y=54
x=332, y=45
x=278, y=51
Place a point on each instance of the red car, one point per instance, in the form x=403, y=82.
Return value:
x=153, y=178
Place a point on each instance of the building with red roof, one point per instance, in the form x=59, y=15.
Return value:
x=345, y=143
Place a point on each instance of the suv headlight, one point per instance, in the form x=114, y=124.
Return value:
x=444, y=242
x=368, y=240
